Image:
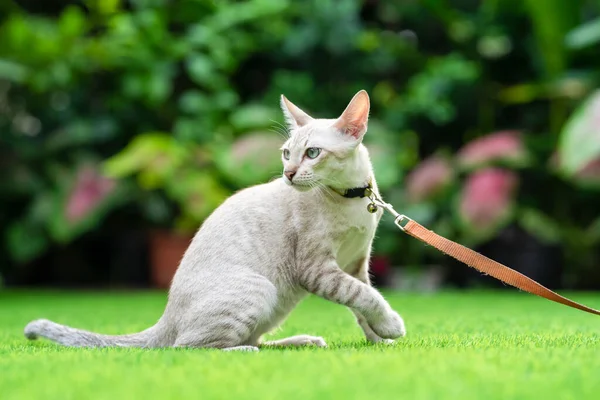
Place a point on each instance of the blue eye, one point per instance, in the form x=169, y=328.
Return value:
x=313, y=152
x=286, y=154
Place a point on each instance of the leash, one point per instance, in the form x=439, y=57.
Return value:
x=469, y=257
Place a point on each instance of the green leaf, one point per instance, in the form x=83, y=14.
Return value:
x=25, y=240
x=200, y=68
x=540, y=225
x=72, y=22
x=198, y=193
x=253, y=158
x=253, y=116
x=195, y=102
x=552, y=19
x=584, y=35
x=12, y=71
x=593, y=231
x=154, y=156
x=579, y=141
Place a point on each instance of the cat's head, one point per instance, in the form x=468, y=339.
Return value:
x=326, y=152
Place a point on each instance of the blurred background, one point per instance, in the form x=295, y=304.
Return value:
x=123, y=124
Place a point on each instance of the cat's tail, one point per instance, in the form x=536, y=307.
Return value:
x=73, y=337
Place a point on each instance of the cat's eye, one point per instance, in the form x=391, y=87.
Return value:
x=286, y=154
x=313, y=152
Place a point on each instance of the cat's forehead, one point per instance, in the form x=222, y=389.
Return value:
x=317, y=130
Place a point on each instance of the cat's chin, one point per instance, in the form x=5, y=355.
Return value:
x=301, y=188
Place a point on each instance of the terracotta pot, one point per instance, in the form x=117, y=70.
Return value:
x=166, y=250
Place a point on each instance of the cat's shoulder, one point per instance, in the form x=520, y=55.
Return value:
x=261, y=192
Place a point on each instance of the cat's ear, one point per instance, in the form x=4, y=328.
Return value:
x=294, y=116
x=354, y=119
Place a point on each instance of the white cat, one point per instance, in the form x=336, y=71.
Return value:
x=266, y=247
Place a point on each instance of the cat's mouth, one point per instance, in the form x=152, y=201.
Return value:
x=299, y=186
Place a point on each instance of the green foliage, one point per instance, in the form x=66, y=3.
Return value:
x=182, y=104
x=580, y=139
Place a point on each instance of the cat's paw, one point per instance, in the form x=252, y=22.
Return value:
x=391, y=326
x=306, y=340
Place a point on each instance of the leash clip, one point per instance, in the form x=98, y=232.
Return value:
x=400, y=220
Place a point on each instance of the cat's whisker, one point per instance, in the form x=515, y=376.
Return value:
x=317, y=189
x=283, y=135
x=278, y=130
x=325, y=190
x=325, y=180
x=284, y=127
x=281, y=129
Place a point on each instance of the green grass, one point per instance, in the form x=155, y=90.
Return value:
x=473, y=345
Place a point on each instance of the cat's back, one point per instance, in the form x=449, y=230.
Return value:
x=250, y=226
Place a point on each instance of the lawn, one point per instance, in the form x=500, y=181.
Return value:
x=469, y=345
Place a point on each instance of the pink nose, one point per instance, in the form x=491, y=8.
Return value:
x=290, y=174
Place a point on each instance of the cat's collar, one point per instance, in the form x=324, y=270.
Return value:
x=352, y=193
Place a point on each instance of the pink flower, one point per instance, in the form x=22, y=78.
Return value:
x=89, y=189
x=499, y=146
x=428, y=178
x=487, y=198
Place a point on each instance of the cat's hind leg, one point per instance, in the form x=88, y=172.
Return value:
x=229, y=320
x=297, y=341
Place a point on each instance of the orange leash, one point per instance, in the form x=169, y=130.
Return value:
x=475, y=260
x=488, y=266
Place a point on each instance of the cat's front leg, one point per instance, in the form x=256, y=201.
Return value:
x=361, y=272
x=330, y=282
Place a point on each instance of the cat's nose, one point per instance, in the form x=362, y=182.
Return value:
x=290, y=173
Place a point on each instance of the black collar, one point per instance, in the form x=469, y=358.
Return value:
x=357, y=192
x=363, y=191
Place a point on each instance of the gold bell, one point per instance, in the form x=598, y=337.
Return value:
x=372, y=208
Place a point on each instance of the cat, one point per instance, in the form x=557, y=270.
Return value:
x=268, y=246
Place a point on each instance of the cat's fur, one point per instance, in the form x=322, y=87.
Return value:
x=268, y=246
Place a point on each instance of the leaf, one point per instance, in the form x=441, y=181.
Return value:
x=154, y=156
x=584, y=35
x=200, y=68
x=72, y=22
x=25, y=240
x=593, y=231
x=198, y=193
x=12, y=71
x=540, y=225
x=385, y=166
x=253, y=158
x=81, y=132
x=552, y=19
x=63, y=228
x=579, y=142
x=253, y=116
x=195, y=102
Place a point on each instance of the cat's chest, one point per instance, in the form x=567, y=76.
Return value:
x=352, y=234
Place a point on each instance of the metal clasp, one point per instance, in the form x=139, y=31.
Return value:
x=400, y=220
